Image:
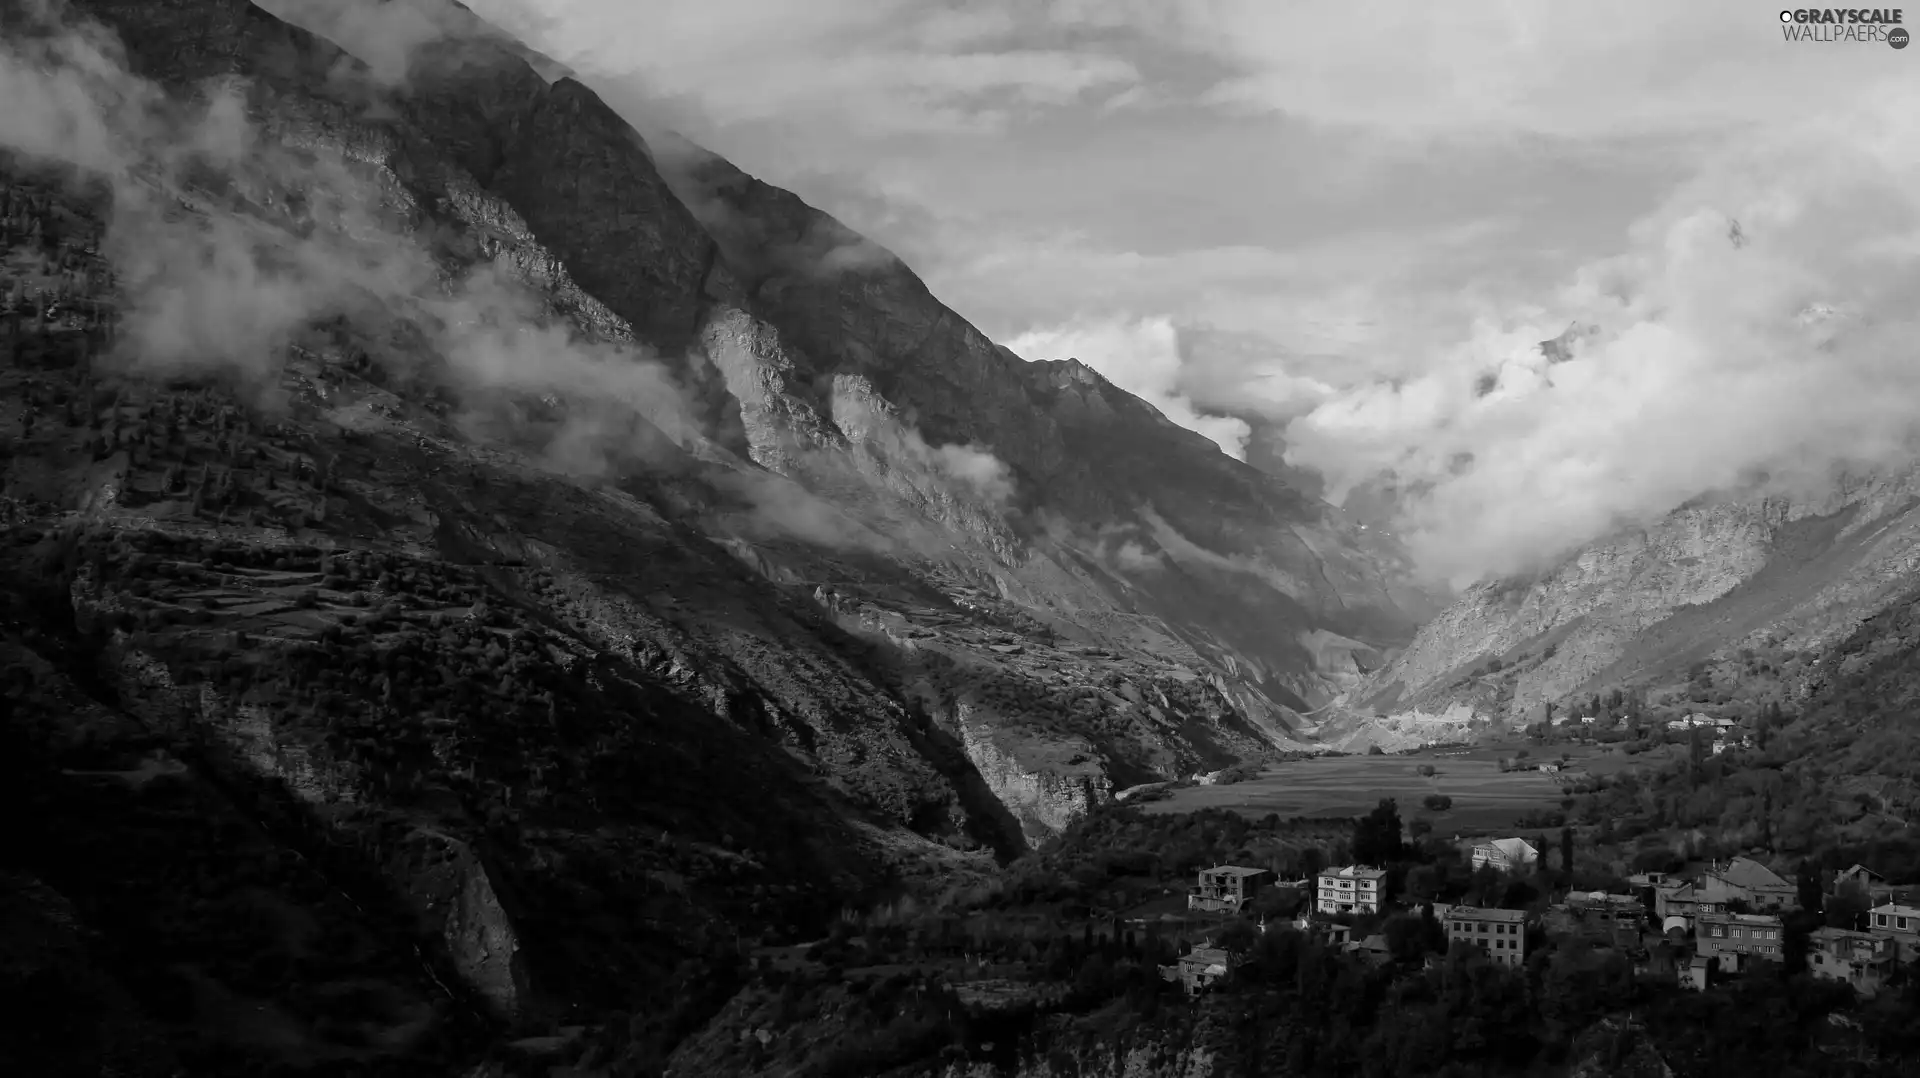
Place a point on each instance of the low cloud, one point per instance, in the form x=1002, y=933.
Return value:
x=204, y=287
x=385, y=35
x=869, y=421
x=1144, y=358
x=883, y=69
x=1761, y=358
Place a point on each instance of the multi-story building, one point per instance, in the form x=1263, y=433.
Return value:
x=1506, y=854
x=1225, y=888
x=1755, y=884
x=1861, y=959
x=1901, y=924
x=1734, y=938
x=1352, y=889
x=1500, y=933
x=1705, y=895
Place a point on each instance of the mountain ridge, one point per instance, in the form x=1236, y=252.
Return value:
x=407, y=467
x=1786, y=571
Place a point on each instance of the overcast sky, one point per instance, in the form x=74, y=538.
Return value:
x=1334, y=214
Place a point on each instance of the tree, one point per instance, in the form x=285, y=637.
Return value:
x=1566, y=850
x=1376, y=836
x=1423, y=883
x=1848, y=907
x=1807, y=882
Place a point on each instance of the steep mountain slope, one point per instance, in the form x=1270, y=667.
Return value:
x=909, y=463
x=1792, y=572
x=583, y=557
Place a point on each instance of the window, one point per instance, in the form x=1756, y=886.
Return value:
x=1881, y=920
x=1899, y=922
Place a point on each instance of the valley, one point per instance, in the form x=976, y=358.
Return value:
x=485, y=593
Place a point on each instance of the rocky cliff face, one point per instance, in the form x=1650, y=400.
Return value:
x=1796, y=572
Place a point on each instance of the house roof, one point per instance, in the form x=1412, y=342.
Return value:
x=1355, y=872
x=1828, y=932
x=1484, y=913
x=1710, y=889
x=1235, y=870
x=1601, y=898
x=1863, y=872
x=1515, y=849
x=1206, y=954
x=1763, y=919
x=1746, y=872
x=1897, y=909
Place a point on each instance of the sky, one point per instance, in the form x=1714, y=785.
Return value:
x=1341, y=221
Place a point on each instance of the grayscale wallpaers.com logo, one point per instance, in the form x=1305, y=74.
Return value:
x=1844, y=24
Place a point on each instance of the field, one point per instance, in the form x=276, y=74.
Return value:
x=1484, y=798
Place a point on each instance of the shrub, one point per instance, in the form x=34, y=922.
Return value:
x=1437, y=802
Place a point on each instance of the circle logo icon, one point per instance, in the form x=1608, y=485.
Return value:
x=1897, y=37
x=1786, y=16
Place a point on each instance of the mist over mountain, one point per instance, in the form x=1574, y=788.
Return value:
x=1690, y=368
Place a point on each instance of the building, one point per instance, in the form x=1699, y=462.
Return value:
x=1200, y=968
x=1598, y=909
x=1708, y=894
x=1735, y=938
x=1352, y=889
x=1899, y=923
x=1861, y=959
x=1876, y=887
x=1698, y=973
x=1373, y=950
x=1225, y=888
x=1500, y=933
x=1505, y=854
x=1758, y=886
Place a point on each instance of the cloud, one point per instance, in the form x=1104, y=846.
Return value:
x=870, y=423
x=1762, y=364
x=1528, y=67
x=881, y=67
x=385, y=35
x=1142, y=358
x=229, y=248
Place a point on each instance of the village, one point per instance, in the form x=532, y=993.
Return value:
x=1694, y=927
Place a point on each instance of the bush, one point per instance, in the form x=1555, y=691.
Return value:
x=1437, y=802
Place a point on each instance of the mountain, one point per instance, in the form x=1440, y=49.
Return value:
x=469, y=566
x=1775, y=573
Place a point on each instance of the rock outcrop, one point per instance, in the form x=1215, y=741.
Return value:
x=1794, y=572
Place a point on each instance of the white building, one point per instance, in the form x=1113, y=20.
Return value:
x=1506, y=854
x=1352, y=889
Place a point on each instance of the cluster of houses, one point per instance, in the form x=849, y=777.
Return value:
x=1708, y=919
x=1726, y=733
